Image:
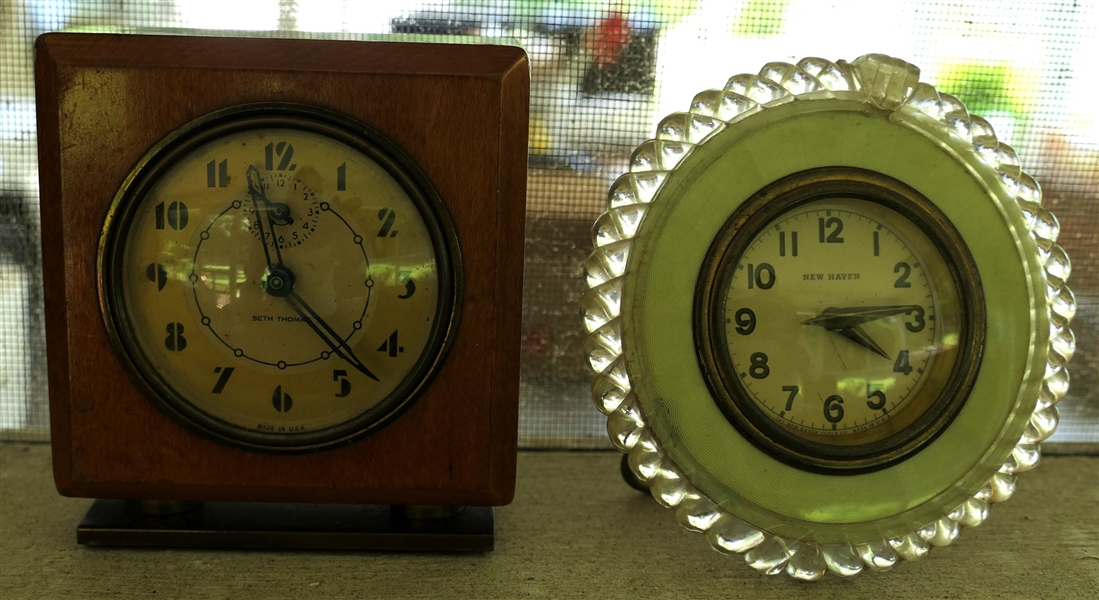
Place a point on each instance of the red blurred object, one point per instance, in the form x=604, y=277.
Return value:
x=607, y=39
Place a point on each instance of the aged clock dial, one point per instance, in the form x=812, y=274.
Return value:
x=834, y=318
x=281, y=281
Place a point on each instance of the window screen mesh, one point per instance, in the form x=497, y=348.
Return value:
x=603, y=73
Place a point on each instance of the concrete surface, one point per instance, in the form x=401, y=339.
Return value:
x=574, y=531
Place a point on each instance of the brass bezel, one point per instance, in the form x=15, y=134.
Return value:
x=740, y=229
x=344, y=129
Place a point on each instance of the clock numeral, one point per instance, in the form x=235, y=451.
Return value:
x=345, y=386
x=409, y=290
x=919, y=323
x=282, y=402
x=875, y=398
x=391, y=345
x=745, y=321
x=793, y=391
x=175, y=340
x=756, y=276
x=877, y=247
x=176, y=215
x=341, y=178
x=782, y=243
x=836, y=226
x=759, y=368
x=282, y=150
x=157, y=274
x=833, y=410
x=388, y=218
x=902, y=366
x=905, y=270
x=226, y=373
x=217, y=173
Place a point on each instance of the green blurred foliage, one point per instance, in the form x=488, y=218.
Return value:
x=665, y=12
x=987, y=88
x=761, y=18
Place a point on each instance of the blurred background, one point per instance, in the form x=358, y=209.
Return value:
x=604, y=72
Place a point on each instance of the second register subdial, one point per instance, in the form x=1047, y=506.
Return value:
x=301, y=204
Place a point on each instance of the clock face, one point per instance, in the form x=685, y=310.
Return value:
x=838, y=326
x=280, y=281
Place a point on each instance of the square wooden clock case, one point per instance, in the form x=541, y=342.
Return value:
x=459, y=112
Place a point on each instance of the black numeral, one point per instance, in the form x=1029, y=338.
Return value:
x=902, y=366
x=282, y=402
x=175, y=340
x=782, y=243
x=918, y=324
x=226, y=373
x=904, y=270
x=745, y=321
x=756, y=276
x=875, y=399
x=345, y=386
x=836, y=225
x=877, y=247
x=388, y=218
x=759, y=368
x=793, y=391
x=157, y=274
x=284, y=151
x=391, y=346
x=176, y=214
x=341, y=178
x=217, y=173
x=833, y=409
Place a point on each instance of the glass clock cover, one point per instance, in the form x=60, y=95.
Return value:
x=279, y=277
x=828, y=317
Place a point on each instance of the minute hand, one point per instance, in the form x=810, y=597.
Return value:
x=835, y=319
x=326, y=333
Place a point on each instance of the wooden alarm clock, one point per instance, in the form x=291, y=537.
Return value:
x=282, y=271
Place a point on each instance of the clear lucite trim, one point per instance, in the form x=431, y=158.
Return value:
x=883, y=82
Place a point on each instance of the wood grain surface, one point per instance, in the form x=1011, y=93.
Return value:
x=574, y=531
x=459, y=112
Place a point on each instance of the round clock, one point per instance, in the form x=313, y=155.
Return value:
x=828, y=317
x=279, y=277
x=856, y=296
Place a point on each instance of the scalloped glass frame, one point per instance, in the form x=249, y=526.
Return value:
x=884, y=83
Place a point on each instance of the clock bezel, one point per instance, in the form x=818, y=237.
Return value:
x=936, y=412
x=287, y=115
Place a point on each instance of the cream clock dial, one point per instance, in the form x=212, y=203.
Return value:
x=890, y=346
x=280, y=277
x=833, y=321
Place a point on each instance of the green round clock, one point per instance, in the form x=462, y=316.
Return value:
x=828, y=317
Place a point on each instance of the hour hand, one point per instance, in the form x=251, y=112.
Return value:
x=860, y=337
x=839, y=318
x=263, y=214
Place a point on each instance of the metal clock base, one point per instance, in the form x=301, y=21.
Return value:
x=272, y=526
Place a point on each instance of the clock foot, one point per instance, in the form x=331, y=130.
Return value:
x=630, y=477
x=275, y=526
